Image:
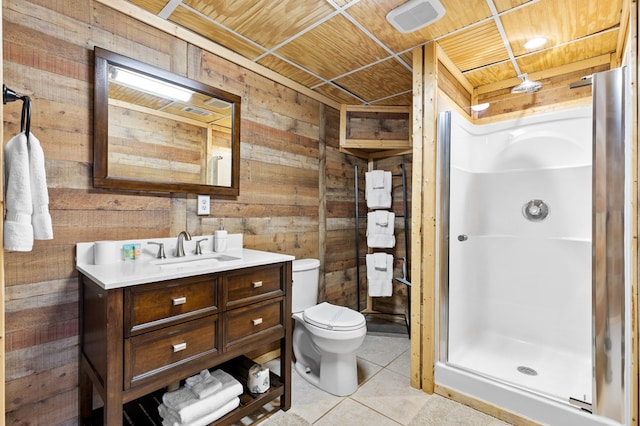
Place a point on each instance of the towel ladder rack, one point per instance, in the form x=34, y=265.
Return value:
x=404, y=279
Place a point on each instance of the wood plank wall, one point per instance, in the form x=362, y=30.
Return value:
x=48, y=55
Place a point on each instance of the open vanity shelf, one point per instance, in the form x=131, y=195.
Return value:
x=144, y=411
x=137, y=340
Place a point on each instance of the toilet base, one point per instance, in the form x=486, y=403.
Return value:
x=338, y=374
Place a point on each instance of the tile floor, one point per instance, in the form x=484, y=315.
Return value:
x=383, y=398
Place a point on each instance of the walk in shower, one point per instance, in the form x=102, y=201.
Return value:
x=517, y=308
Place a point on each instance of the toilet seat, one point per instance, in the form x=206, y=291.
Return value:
x=333, y=317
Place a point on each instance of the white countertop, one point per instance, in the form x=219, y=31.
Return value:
x=148, y=269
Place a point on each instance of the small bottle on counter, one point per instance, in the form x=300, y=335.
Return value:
x=220, y=239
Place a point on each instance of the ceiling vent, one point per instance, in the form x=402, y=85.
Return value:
x=415, y=14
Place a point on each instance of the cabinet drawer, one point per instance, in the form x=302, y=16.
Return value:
x=157, y=351
x=253, y=284
x=156, y=305
x=254, y=322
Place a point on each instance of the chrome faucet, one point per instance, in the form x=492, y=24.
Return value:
x=184, y=235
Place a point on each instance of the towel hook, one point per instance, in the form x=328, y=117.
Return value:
x=9, y=95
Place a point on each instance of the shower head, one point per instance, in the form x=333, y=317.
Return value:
x=527, y=86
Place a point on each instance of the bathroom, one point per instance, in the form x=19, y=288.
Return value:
x=278, y=208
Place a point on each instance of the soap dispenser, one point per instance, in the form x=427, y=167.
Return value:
x=220, y=239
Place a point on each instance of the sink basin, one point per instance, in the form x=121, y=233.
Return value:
x=193, y=261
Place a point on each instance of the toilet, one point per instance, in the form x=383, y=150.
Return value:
x=325, y=336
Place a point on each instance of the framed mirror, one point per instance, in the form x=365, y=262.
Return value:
x=162, y=132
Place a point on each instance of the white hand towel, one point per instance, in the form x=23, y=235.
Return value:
x=378, y=197
x=203, y=384
x=18, y=231
x=186, y=407
x=379, y=282
x=377, y=179
x=41, y=219
x=380, y=236
x=381, y=217
x=380, y=261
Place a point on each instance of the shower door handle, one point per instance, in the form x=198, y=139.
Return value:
x=463, y=237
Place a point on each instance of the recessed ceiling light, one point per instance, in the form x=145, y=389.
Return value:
x=480, y=107
x=415, y=14
x=536, y=42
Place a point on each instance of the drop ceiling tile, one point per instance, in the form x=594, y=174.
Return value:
x=201, y=25
x=560, y=21
x=333, y=48
x=372, y=15
x=288, y=70
x=262, y=20
x=153, y=6
x=337, y=94
x=569, y=53
x=486, y=75
x=475, y=47
x=378, y=81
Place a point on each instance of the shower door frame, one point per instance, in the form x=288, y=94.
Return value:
x=610, y=381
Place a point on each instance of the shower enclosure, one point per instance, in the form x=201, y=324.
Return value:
x=530, y=304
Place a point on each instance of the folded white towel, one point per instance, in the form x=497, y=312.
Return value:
x=18, y=231
x=380, y=236
x=203, y=384
x=205, y=419
x=380, y=282
x=378, y=196
x=41, y=219
x=185, y=406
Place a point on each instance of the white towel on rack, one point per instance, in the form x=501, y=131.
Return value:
x=18, y=231
x=378, y=196
x=379, y=277
x=380, y=229
x=26, y=195
x=41, y=219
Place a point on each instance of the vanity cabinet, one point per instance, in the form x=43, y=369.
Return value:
x=139, y=339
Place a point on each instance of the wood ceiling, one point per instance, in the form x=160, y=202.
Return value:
x=347, y=51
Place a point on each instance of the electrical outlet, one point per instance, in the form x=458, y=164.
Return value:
x=204, y=204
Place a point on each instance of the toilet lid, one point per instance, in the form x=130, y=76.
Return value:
x=332, y=317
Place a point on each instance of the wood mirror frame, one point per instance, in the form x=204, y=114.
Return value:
x=185, y=170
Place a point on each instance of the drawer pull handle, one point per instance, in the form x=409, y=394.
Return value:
x=257, y=321
x=179, y=300
x=257, y=284
x=179, y=347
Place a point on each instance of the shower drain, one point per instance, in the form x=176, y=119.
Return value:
x=527, y=370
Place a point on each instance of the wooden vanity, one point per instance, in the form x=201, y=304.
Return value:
x=139, y=339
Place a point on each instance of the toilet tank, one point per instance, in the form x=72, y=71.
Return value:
x=305, y=284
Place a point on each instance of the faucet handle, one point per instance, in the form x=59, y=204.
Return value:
x=160, y=254
x=198, y=248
